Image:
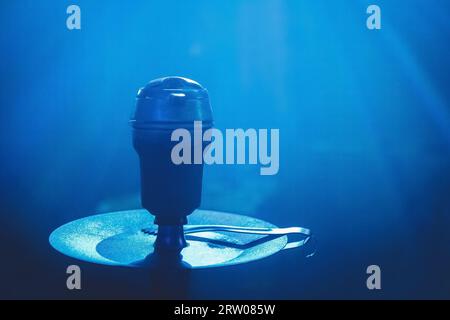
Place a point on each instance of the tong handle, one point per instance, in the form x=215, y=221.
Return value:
x=247, y=230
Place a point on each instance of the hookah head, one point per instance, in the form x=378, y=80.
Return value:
x=169, y=191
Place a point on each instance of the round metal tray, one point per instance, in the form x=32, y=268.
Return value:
x=116, y=239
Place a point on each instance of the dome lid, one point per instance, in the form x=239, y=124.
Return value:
x=172, y=102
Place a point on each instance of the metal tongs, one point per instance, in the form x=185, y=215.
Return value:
x=273, y=232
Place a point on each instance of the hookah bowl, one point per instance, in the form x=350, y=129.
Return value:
x=169, y=191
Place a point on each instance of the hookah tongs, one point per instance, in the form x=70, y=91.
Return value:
x=270, y=232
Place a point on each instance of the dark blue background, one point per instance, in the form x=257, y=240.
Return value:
x=364, y=120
